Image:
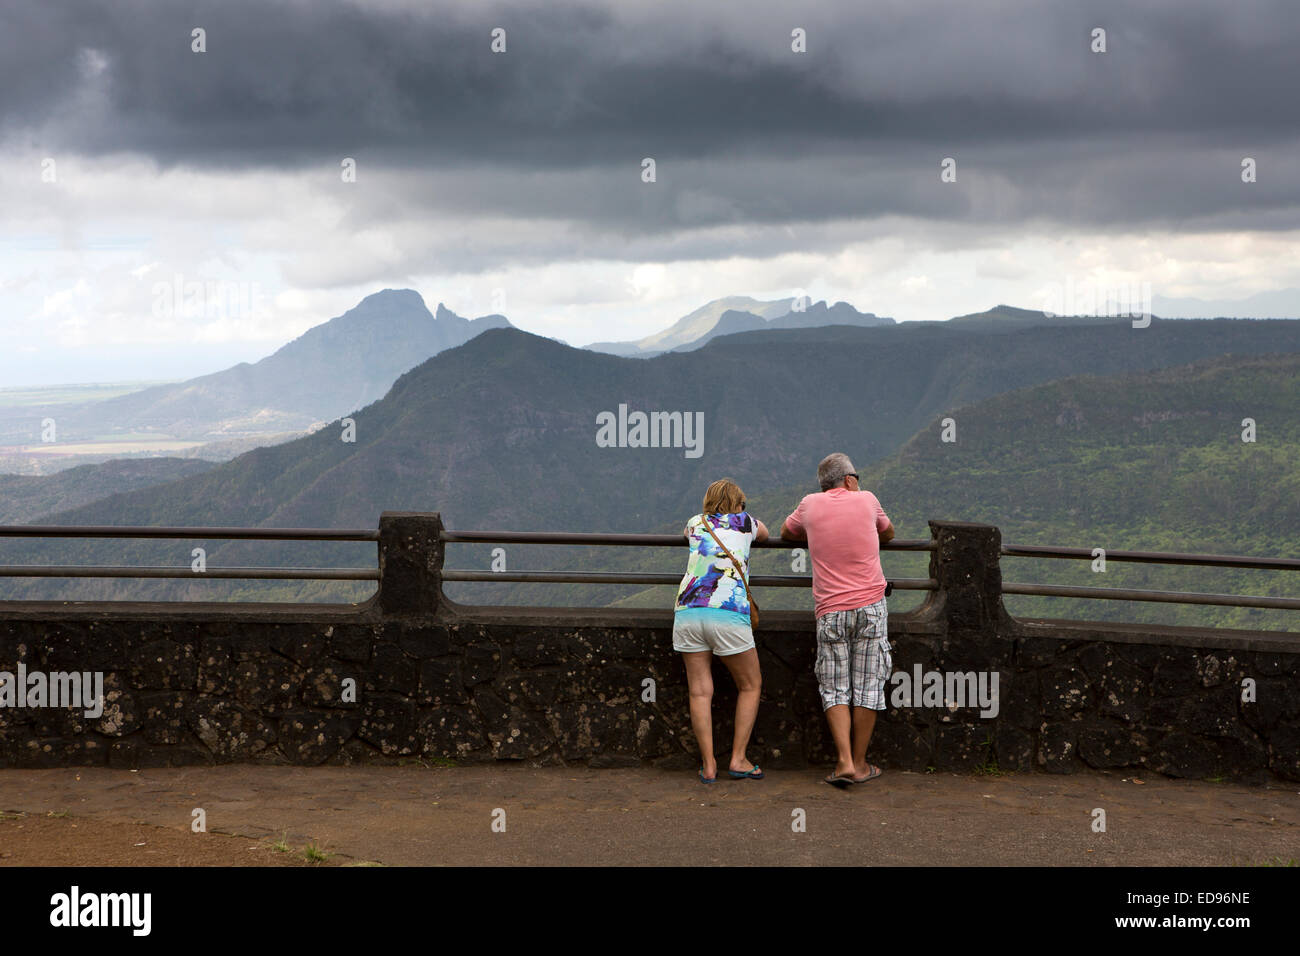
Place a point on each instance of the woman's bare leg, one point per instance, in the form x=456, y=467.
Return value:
x=699, y=683
x=749, y=682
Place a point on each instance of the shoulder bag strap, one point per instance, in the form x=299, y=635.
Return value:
x=709, y=528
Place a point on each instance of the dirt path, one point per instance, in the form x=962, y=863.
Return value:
x=429, y=816
x=58, y=839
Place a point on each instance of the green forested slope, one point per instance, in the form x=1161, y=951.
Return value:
x=1151, y=462
x=23, y=498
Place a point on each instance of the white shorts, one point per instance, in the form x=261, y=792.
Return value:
x=706, y=629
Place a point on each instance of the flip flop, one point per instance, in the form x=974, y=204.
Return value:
x=837, y=781
x=875, y=772
x=754, y=773
x=704, y=779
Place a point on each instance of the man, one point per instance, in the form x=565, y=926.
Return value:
x=844, y=527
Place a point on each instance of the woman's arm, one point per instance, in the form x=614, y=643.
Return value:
x=761, y=533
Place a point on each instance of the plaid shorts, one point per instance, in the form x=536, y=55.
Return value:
x=853, y=659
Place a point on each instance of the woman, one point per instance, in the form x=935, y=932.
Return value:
x=712, y=617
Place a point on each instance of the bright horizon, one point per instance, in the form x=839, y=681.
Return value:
x=190, y=363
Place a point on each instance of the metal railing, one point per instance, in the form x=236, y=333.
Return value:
x=617, y=577
x=1152, y=557
x=130, y=571
x=916, y=584
x=637, y=577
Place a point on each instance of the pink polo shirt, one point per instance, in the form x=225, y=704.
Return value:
x=843, y=529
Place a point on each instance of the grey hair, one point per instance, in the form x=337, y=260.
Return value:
x=833, y=469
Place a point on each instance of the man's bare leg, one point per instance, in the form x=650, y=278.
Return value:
x=839, y=720
x=864, y=722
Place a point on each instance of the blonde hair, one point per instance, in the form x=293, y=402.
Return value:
x=724, y=497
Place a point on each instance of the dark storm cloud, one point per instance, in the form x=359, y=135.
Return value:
x=1151, y=131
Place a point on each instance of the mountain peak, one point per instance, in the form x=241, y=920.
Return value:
x=445, y=313
x=392, y=298
x=331, y=369
x=739, y=313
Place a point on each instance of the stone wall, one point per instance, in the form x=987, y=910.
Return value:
x=430, y=680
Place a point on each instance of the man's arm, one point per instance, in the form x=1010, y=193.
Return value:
x=792, y=528
x=887, y=532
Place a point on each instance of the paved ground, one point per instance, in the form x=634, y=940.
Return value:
x=415, y=815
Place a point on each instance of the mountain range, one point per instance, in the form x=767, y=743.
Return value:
x=340, y=365
x=352, y=360
x=1279, y=303
x=501, y=432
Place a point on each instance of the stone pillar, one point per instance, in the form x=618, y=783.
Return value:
x=966, y=563
x=410, y=562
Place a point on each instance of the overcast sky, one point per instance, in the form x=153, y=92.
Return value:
x=513, y=181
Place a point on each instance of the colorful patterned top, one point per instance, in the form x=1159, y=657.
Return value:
x=712, y=580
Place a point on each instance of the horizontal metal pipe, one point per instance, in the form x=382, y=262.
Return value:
x=1154, y=557
x=650, y=540
x=566, y=577
x=105, y=571
x=638, y=540
x=636, y=577
x=147, y=531
x=1165, y=597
